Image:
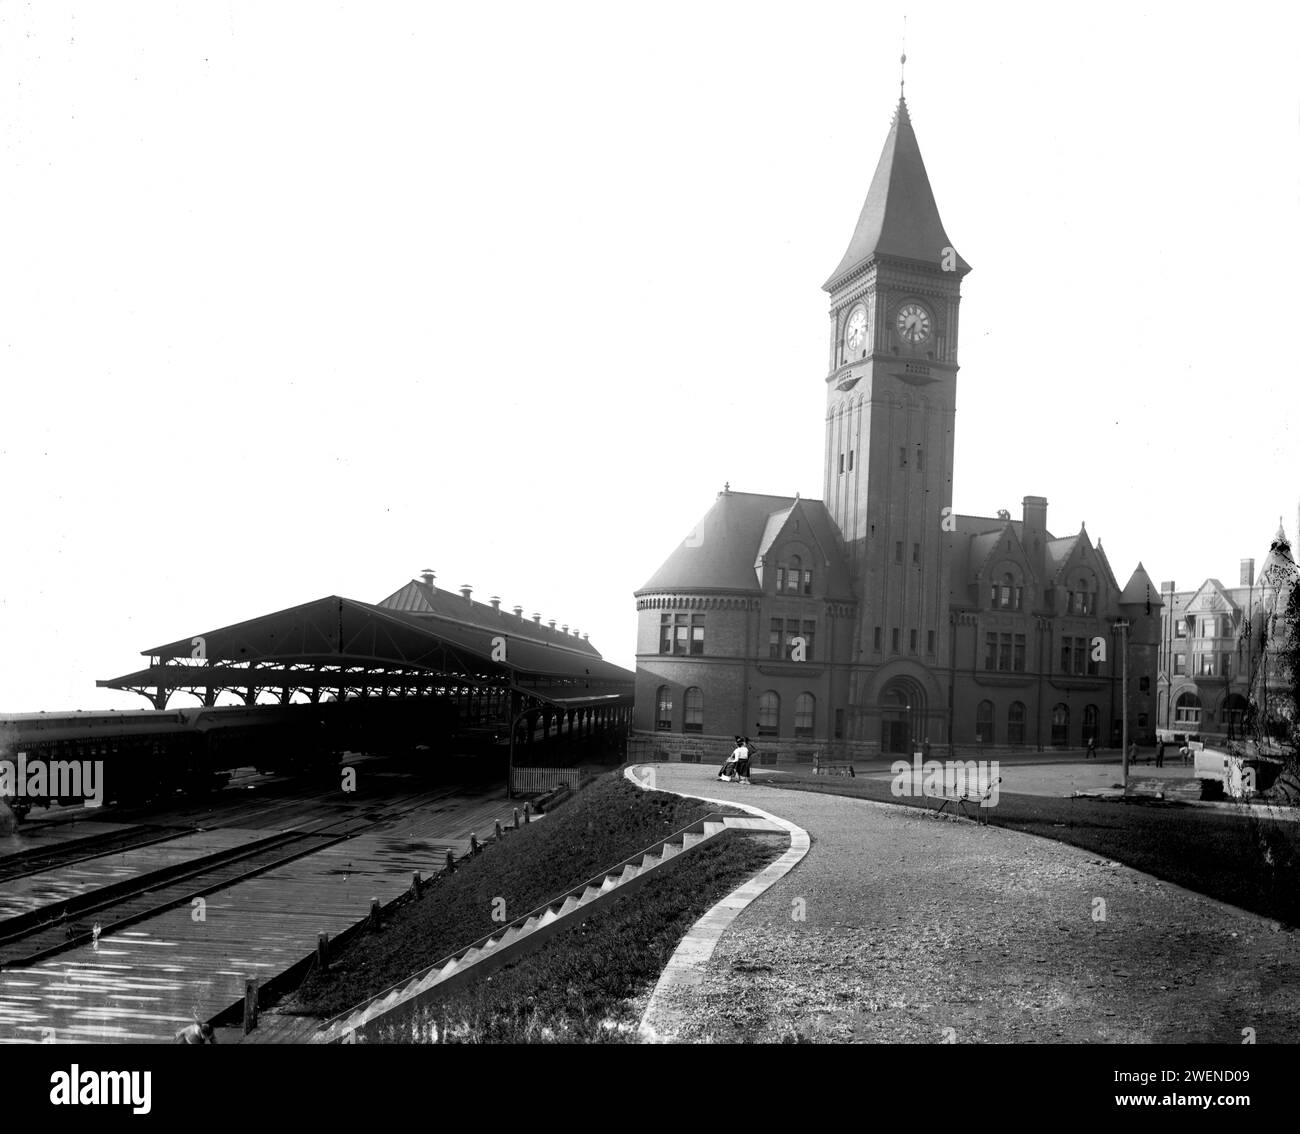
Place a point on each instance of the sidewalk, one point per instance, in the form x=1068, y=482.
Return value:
x=914, y=925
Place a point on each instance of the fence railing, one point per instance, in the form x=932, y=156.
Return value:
x=546, y=779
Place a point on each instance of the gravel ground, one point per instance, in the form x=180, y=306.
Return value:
x=919, y=930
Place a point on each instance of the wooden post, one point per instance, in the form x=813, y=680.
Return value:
x=415, y=884
x=323, y=952
x=528, y=812
x=451, y=861
x=516, y=810
x=374, y=914
x=250, y=1004
x=473, y=843
x=498, y=829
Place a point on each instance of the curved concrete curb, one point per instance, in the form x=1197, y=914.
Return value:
x=685, y=968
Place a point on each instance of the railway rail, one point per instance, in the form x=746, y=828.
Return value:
x=56, y=856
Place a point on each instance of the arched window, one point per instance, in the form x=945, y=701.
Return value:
x=984, y=722
x=1016, y=723
x=769, y=714
x=1060, y=725
x=693, y=710
x=1091, y=723
x=805, y=705
x=1187, y=711
x=663, y=708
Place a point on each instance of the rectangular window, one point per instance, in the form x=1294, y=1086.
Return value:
x=791, y=633
x=850, y=460
x=697, y=633
x=1087, y=599
x=1018, y=660
x=841, y=462
x=681, y=634
x=929, y=642
x=839, y=724
x=1069, y=602
x=877, y=638
x=774, y=639
x=807, y=582
x=809, y=632
x=898, y=552
x=1207, y=665
x=916, y=553
x=665, y=633
x=1180, y=663
x=1065, y=655
x=894, y=639
x=1080, y=652
x=1225, y=665
x=780, y=579
x=1180, y=628
x=1006, y=596
x=1093, y=664
x=993, y=595
x=911, y=639
x=990, y=651
x=1004, y=652
x=1019, y=593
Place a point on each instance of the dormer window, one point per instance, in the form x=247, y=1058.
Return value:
x=791, y=578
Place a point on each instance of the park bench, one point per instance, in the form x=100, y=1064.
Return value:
x=833, y=767
x=967, y=793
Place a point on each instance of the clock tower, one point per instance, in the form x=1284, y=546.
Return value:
x=890, y=402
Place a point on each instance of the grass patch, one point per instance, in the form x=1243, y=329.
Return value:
x=1237, y=858
x=607, y=821
x=579, y=986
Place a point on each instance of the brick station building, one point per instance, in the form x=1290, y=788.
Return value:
x=876, y=618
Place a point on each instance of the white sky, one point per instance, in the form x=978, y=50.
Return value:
x=298, y=299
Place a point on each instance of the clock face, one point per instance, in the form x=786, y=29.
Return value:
x=913, y=323
x=855, y=333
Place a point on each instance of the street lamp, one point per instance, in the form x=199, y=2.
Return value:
x=1121, y=625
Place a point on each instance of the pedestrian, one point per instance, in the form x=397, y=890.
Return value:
x=1185, y=754
x=925, y=748
x=1092, y=748
x=742, y=766
x=728, y=768
x=1160, y=753
x=1133, y=753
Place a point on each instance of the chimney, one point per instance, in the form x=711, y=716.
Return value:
x=519, y=612
x=495, y=600
x=466, y=590
x=537, y=618
x=551, y=623
x=1247, y=572
x=1033, y=535
x=427, y=575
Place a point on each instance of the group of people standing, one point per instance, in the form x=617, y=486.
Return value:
x=736, y=767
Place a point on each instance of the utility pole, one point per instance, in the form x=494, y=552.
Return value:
x=1122, y=627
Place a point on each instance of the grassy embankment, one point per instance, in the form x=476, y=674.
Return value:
x=578, y=984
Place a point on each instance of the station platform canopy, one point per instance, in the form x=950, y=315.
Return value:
x=418, y=641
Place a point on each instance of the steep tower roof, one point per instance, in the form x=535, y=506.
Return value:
x=900, y=217
x=1140, y=589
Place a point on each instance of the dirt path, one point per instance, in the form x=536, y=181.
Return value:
x=913, y=925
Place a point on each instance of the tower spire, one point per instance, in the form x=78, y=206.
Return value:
x=902, y=61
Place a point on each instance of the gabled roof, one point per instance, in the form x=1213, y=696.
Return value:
x=1211, y=595
x=899, y=217
x=723, y=550
x=419, y=597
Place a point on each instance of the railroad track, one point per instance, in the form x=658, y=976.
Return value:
x=34, y=936
x=37, y=860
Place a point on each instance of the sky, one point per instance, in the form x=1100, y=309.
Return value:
x=298, y=299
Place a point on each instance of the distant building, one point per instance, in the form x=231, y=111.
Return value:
x=877, y=618
x=1217, y=643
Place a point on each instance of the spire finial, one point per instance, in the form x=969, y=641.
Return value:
x=902, y=60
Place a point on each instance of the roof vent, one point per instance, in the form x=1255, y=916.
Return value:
x=586, y=637
x=466, y=590
x=537, y=618
x=551, y=623
x=428, y=576
x=495, y=600
x=564, y=629
x=519, y=612
x=1003, y=514
x=575, y=633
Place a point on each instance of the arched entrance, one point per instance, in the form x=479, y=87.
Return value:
x=902, y=709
